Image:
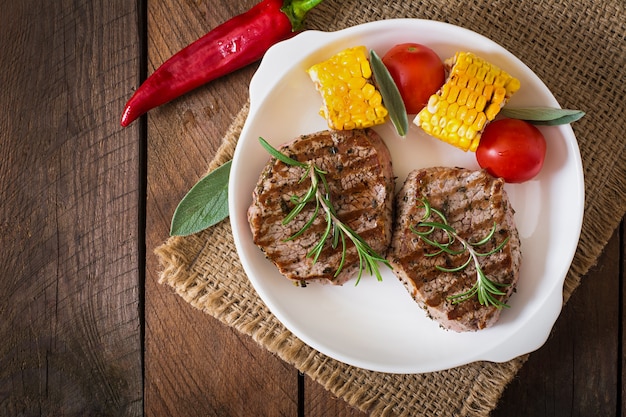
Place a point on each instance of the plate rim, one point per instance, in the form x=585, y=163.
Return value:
x=255, y=103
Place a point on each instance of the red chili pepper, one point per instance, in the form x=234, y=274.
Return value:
x=234, y=44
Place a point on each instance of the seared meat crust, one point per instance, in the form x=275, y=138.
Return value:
x=471, y=201
x=359, y=174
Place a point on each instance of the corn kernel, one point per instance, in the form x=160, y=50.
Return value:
x=471, y=97
x=347, y=60
x=349, y=98
x=463, y=142
x=472, y=70
x=492, y=111
x=481, y=72
x=512, y=86
x=453, y=94
x=500, y=80
x=433, y=102
x=452, y=111
x=470, y=116
x=366, y=70
x=445, y=90
x=452, y=126
x=344, y=74
x=356, y=71
x=356, y=83
x=338, y=104
x=480, y=87
x=460, y=132
x=463, y=62
x=340, y=89
x=480, y=121
x=488, y=91
x=368, y=91
x=474, y=144
x=376, y=100
x=463, y=80
x=463, y=95
x=443, y=108
x=481, y=102
x=461, y=114
x=499, y=95
x=471, y=84
x=489, y=77
x=356, y=96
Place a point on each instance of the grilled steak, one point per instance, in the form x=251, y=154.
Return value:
x=358, y=170
x=471, y=201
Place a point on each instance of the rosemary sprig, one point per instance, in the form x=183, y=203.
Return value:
x=319, y=193
x=485, y=289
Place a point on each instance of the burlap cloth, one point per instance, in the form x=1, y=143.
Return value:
x=578, y=49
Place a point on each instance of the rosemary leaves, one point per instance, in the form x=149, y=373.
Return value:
x=336, y=232
x=486, y=290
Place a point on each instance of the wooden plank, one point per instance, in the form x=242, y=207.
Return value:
x=576, y=372
x=622, y=378
x=69, y=184
x=320, y=402
x=194, y=364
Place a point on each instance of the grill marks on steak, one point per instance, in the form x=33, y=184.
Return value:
x=471, y=201
x=359, y=174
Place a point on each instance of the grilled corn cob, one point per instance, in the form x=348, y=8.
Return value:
x=349, y=98
x=472, y=96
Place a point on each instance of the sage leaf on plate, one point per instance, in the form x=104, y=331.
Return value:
x=205, y=205
x=391, y=95
x=545, y=116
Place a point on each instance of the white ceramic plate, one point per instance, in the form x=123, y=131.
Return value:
x=375, y=325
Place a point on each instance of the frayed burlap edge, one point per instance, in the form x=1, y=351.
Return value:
x=470, y=390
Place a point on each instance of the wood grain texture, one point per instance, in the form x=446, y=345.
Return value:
x=73, y=188
x=577, y=371
x=621, y=387
x=69, y=181
x=195, y=365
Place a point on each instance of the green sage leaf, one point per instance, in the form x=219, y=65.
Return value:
x=391, y=94
x=544, y=116
x=205, y=205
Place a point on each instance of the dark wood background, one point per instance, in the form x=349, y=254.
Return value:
x=85, y=328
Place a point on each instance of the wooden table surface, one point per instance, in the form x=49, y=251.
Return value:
x=86, y=329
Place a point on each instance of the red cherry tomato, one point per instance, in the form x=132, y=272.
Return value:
x=417, y=71
x=511, y=149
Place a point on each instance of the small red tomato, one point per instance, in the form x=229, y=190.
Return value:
x=417, y=71
x=511, y=149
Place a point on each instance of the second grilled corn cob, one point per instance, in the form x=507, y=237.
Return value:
x=472, y=96
x=350, y=99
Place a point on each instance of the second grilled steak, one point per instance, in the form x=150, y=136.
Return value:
x=471, y=201
x=358, y=170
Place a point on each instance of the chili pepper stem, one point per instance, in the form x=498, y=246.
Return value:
x=296, y=11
